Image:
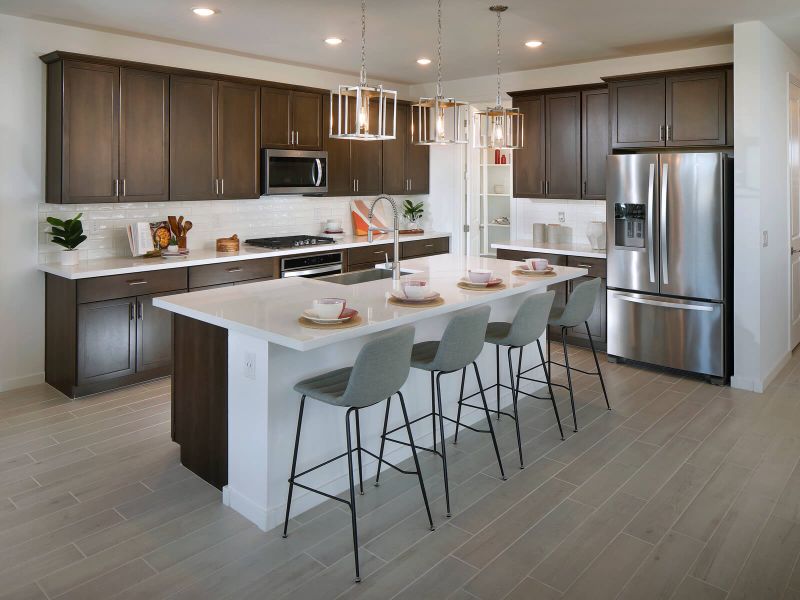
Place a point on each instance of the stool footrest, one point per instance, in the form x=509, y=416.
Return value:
x=571, y=368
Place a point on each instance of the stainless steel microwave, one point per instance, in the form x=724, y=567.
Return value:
x=294, y=172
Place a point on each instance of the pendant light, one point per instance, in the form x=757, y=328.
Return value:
x=497, y=127
x=439, y=120
x=354, y=106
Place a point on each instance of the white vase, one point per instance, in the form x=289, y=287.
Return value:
x=69, y=258
x=596, y=232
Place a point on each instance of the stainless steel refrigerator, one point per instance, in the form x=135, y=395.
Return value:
x=668, y=251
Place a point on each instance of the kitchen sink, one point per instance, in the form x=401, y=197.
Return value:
x=362, y=276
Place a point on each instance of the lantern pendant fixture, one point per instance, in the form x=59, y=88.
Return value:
x=439, y=120
x=362, y=111
x=497, y=127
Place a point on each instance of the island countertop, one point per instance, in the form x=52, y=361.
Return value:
x=566, y=249
x=270, y=310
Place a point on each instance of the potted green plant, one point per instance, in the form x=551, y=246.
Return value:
x=413, y=213
x=69, y=235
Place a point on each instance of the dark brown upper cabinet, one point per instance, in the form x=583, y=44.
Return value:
x=563, y=145
x=595, y=145
x=529, y=161
x=675, y=109
x=82, y=133
x=339, y=181
x=291, y=119
x=696, y=109
x=144, y=136
x=238, y=140
x=406, y=166
x=366, y=168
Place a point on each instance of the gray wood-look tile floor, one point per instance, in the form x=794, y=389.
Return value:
x=683, y=491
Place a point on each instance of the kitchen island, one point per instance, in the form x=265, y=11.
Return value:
x=237, y=353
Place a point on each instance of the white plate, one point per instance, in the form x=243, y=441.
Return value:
x=312, y=316
x=524, y=267
x=492, y=283
x=403, y=298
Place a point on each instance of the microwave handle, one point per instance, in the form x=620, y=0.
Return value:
x=318, y=179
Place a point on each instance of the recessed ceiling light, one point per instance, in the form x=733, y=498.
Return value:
x=533, y=44
x=333, y=41
x=423, y=61
x=203, y=12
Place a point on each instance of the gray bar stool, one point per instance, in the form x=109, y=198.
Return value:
x=459, y=347
x=526, y=328
x=381, y=368
x=577, y=311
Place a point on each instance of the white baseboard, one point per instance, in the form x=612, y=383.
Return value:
x=770, y=377
x=20, y=382
x=759, y=385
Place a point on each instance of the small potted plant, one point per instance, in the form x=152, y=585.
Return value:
x=413, y=213
x=69, y=235
x=173, y=245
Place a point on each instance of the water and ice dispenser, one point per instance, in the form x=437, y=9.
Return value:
x=630, y=224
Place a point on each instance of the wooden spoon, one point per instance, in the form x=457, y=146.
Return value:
x=186, y=227
x=173, y=225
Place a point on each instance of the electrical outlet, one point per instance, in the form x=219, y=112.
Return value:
x=562, y=217
x=764, y=238
x=250, y=365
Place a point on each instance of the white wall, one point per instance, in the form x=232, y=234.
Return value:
x=762, y=64
x=22, y=104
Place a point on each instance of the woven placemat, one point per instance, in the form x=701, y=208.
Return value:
x=493, y=288
x=354, y=322
x=532, y=274
x=397, y=302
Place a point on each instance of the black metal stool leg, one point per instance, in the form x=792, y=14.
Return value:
x=294, y=464
x=489, y=421
x=358, y=453
x=433, y=410
x=550, y=388
x=597, y=364
x=497, y=371
x=383, y=441
x=514, y=399
x=352, y=492
x=444, y=449
x=569, y=377
x=416, y=460
x=460, y=400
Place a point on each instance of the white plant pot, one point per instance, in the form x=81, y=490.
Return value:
x=69, y=258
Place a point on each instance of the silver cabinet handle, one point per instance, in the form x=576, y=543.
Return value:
x=651, y=249
x=354, y=185
x=358, y=184
x=116, y=187
x=700, y=307
x=216, y=187
x=124, y=187
x=291, y=138
x=547, y=187
x=297, y=137
x=137, y=281
x=429, y=245
x=664, y=245
x=131, y=314
x=222, y=187
x=660, y=133
x=583, y=266
x=234, y=270
x=669, y=132
x=140, y=310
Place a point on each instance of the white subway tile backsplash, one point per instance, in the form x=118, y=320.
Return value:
x=578, y=214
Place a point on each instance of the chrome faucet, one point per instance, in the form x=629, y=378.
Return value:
x=396, y=229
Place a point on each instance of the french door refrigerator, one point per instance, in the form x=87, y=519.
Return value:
x=668, y=255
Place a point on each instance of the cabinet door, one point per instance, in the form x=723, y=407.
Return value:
x=193, y=139
x=529, y=160
x=276, y=122
x=638, y=116
x=597, y=320
x=153, y=334
x=395, y=180
x=696, y=109
x=595, y=143
x=418, y=165
x=144, y=136
x=340, y=182
x=90, y=141
x=563, y=145
x=238, y=141
x=366, y=166
x=307, y=120
x=106, y=340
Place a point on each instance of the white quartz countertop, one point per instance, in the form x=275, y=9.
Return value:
x=102, y=267
x=567, y=249
x=270, y=310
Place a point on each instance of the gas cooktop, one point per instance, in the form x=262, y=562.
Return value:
x=291, y=241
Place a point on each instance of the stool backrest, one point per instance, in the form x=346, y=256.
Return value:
x=531, y=319
x=581, y=303
x=462, y=340
x=381, y=368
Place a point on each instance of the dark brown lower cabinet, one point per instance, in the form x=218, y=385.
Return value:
x=106, y=340
x=153, y=334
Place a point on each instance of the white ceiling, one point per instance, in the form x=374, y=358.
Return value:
x=400, y=31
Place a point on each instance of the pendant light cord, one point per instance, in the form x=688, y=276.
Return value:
x=499, y=77
x=363, y=74
x=439, y=50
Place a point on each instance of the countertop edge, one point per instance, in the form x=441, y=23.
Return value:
x=533, y=247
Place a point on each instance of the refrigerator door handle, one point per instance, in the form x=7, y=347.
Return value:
x=651, y=220
x=664, y=304
x=664, y=249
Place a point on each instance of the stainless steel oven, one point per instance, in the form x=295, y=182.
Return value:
x=317, y=265
x=294, y=172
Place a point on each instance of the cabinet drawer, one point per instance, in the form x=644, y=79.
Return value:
x=132, y=284
x=231, y=272
x=596, y=266
x=424, y=247
x=520, y=255
x=372, y=254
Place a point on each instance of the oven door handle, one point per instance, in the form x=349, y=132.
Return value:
x=314, y=271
